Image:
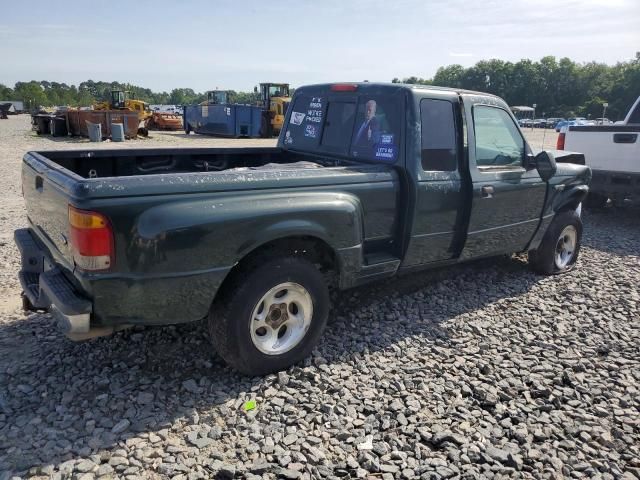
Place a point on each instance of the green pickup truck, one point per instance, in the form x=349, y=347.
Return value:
x=367, y=181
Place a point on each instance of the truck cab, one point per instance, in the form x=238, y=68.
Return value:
x=217, y=97
x=470, y=183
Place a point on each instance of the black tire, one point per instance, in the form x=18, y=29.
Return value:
x=230, y=316
x=596, y=200
x=543, y=259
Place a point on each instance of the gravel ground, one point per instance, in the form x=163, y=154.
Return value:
x=478, y=371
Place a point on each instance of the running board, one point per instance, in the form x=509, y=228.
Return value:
x=380, y=266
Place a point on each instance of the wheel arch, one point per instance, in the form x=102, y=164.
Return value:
x=569, y=199
x=311, y=247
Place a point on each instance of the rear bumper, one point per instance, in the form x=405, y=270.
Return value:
x=46, y=287
x=105, y=302
x=610, y=182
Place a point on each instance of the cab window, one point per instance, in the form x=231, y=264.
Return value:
x=498, y=140
x=338, y=126
x=439, y=146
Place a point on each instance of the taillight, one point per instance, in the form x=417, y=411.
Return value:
x=91, y=239
x=344, y=87
x=560, y=141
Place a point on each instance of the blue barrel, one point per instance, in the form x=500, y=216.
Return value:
x=95, y=131
x=117, y=132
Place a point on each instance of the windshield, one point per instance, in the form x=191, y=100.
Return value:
x=278, y=91
x=217, y=97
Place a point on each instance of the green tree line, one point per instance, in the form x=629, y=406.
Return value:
x=48, y=94
x=559, y=88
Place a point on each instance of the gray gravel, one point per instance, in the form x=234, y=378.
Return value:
x=477, y=371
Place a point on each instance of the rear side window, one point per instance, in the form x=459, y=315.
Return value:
x=439, y=145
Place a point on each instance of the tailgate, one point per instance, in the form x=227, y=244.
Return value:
x=47, y=208
x=612, y=148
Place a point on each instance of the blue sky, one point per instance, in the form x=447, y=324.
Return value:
x=237, y=44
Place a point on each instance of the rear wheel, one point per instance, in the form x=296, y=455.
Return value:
x=270, y=317
x=559, y=249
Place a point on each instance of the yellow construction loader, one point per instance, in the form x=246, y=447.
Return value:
x=275, y=99
x=121, y=100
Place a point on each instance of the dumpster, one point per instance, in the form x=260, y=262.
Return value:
x=77, y=121
x=224, y=120
x=42, y=123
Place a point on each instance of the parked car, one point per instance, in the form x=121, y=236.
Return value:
x=540, y=123
x=252, y=238
x=525, y=122
x=569, y=123
x=552, y=122
x=613, y=153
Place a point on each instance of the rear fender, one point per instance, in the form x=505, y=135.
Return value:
x=196, y=235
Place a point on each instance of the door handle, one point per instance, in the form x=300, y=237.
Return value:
x=625, y=137
x=39, y=183
x=487, y=191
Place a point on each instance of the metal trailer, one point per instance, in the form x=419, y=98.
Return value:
x=224, y=120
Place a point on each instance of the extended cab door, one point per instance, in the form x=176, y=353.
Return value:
x=507, y=199
x=438, y=216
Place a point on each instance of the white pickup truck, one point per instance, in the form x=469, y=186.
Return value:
x=613, y=153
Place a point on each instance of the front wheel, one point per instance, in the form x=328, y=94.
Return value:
x=270, y=317
x=560, y=246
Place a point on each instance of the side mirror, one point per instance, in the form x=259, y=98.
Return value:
x=546, y=165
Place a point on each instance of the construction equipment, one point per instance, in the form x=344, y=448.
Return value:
x=274, y=99
x=123, y=100
x=216, y=97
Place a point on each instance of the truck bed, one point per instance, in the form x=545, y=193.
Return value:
x=613, y=148
x=126, y=163
x=185, y=196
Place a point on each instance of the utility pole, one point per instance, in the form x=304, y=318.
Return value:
x=534, y=114
x=604, y=110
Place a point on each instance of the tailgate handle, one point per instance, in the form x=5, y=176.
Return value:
x=625, y=137
x=39, y=183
